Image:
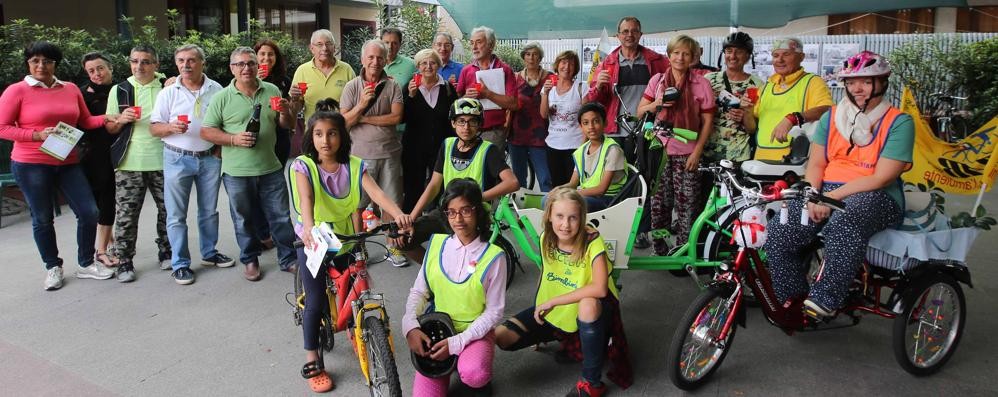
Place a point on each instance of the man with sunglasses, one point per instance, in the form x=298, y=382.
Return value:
x=466, y=156
x=251, y=172
x=138, y=159
x=791, y=97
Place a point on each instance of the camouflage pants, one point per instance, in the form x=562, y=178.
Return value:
x=130, y=193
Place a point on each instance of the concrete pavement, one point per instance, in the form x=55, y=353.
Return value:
x=226, y=336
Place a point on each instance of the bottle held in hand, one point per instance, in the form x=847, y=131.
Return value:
x=254, y=124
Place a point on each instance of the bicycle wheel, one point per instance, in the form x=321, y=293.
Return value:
x=512, y=258
x=299, y=293
x=929, y=328
x=695, y=353
x=380, y=360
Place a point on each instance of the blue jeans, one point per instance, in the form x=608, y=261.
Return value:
x=537, y=157
x=271, y=194
x=39, y=183
x=180, y=173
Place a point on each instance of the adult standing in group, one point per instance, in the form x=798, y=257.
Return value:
x=372, y=106
x=679, y=181
x=189, y=160
x=560, y=104
x=274, y=70
x=730, y=139
x=252, y=175
x=527, y=128
x=627, y=70
x=427, y=124
x=324, y=75
x=791, y=97
x=443, y=45
x=29, y=112
x=483, y=44
x=96, y=154
x=400, y=67
x=138, y=159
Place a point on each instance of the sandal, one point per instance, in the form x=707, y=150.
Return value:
x=105, y=260
x=317, y=377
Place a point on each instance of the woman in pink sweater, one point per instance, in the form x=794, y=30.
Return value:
x=29, y=112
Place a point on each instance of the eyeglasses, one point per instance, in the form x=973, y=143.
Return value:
x=463, y=211
x=465, y=123
x=327, y=45
x=244, y=65
x=43, y=61
x=143, y=62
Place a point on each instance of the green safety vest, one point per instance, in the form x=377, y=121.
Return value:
x=559, y=276
x=326, y=208
x=462, y=300
x=777, y=106
x=475, y=170
x=591, y=181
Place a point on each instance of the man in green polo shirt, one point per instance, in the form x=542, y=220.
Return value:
x=400, y=67
x=141, y=166
x=251, y=172
x=325, y=75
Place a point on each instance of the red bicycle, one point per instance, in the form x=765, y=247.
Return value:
x=926, y=302
x=354, y=307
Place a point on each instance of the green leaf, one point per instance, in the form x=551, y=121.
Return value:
x=981, y=212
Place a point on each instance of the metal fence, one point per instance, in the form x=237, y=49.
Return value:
x=822, y=53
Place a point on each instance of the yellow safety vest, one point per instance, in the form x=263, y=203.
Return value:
x=775, y=107
x=587, y=181
x=560, y=276
x=335, y=210
x=462, y=300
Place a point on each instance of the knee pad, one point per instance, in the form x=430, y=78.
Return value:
x=521, y=342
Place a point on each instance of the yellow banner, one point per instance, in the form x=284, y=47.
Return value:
x=959, y=167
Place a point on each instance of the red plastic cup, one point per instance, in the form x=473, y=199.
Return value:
x=369, y=84
x=303, y=87
x=753, y=94
x=183, y=119
x=275, y=103
x=264, y=71
x=476, y=86
x=138, y=111
x=554, y=79
x=418, y=78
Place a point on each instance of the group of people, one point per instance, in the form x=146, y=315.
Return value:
x=426, y=140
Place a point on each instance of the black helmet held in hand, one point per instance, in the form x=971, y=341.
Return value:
x=438, y=326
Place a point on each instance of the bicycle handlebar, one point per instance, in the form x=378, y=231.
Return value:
x=779, y=191
x=946, y=97
x=392, y=229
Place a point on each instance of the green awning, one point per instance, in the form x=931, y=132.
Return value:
x=543, y=19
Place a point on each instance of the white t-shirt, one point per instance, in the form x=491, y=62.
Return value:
x=564, y=132
x=175, y=100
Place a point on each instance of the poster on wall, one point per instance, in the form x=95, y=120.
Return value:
x=832, y=58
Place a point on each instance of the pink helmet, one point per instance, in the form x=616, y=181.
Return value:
x=865, y=64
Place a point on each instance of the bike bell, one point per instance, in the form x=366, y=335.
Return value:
x=438, y=326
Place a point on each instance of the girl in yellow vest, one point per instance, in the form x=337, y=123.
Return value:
x=464, y=276
x=859, y=150
x=325, y=187
x=600, y=166
x=575, y=295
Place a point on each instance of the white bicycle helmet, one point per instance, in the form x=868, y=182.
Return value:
x=865, y=64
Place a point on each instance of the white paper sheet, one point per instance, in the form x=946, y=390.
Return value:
x=495, y=81
x=61, y=143
x=325, y=242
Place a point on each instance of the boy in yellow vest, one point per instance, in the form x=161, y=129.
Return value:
x=790, y=97
x=600, y=166
x=466, y=156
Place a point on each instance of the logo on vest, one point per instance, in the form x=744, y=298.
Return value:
x=562, y=280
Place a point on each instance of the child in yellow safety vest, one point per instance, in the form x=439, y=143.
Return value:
x=576, y=295
x=600, y=166
x=325, y=187
x=464, y=276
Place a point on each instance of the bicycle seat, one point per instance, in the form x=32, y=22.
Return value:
x=793, y=164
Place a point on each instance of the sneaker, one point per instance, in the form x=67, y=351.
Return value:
x=585, y=389
x=219, y=260
x=815, y=309
x=53, y=278
x=126, y=273
x=95, y=271
x=165, y=261
x=396, y=258
x=183, y=276
x=642, y=241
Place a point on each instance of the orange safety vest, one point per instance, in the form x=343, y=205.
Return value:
x=843, y=165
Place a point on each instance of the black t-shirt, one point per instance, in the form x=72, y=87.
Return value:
x=494, y=163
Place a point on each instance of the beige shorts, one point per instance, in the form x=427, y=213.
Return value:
x=387, y=173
